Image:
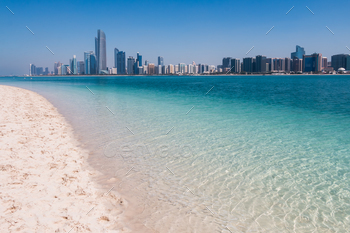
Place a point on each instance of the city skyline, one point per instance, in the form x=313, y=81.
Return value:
x=204, y=33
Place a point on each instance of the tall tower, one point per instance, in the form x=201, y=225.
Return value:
x=100, y=51
x=160, y=61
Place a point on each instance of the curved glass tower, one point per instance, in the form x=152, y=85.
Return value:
x=100, y=47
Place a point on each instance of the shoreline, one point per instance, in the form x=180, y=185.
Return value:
x=46, y=182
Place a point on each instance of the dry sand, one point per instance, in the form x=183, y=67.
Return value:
x=45, y=182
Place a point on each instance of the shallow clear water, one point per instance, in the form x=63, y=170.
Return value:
x=255, y=153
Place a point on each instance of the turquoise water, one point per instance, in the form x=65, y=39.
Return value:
x=254, y=154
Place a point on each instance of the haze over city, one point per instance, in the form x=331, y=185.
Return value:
x=179, y=31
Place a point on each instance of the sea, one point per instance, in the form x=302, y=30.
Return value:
x=214, y=153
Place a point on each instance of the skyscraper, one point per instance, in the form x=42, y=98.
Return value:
x=235, y=65
x=131, y=64
x=119, y=61
x=138, y=63
x=248, y=64
x=160, y=61
x=226, y=64
x=73, y=65
x=260, y=64
x=150, y=68
x=90, y=62
x=339, y=61
x=80, y=67
x=32, y=70
x=299, y=52
x=100, y=51
x=312, y=63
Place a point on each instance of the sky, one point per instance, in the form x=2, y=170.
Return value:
x=180, y=31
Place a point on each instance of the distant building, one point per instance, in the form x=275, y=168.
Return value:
x=151, y=70
x=287, y=64
x=171, y=69
x=260, y=64
x=324, y=62
x=164, y=69
x=46, y=72
x=247, y=64
x=340, y=61
x=278, y=64
x=32, y=70
x=138, y=63
x=112, y=71
x=119, y=61
x=226, y=64
x=131, y=64
x=235, y=64
x=80, y=67
x=39, y=71
x=297, y=65
x=160, y=61
x=299, y=53
x=90, y=62
x=100, y=51
x=269, y=64
x=182, y=68
x=312, y=63
x=73, y=65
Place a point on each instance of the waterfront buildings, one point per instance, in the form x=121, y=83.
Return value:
x=299, y=53
x=260, y=64
x=100, y=51
x=90, y=62
x=160, y=61
x=312, y=63
x=131, y=64
x=341, y=61
x=119, y=61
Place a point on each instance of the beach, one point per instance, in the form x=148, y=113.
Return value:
x=46, y=185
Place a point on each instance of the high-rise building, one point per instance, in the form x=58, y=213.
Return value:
x=90, y=62
x=260, y=64
x=299, y=52
x=278, y=64
x=131, y=64
x=171, y=69
x=324, y=62
x=150, y=68
x=182, y=68
x=160, y=61
x=46, y=72
x=119, y=61
x=100, y=51
x=248, y=65
x=39, y=71
x=226, y=64
x=80, y=67
x=297, y=65
x=73, y=65
x=269, y=65
x=312, y=63
x=32, y=70
x=164, y=70
x=287, y=64
x=339, y=61
x=235, y=64
x=138, y=63
x=55, y=67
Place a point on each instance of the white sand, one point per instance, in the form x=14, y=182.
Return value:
x=45, y=183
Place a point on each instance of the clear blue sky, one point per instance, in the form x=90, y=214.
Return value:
x=180, y=31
